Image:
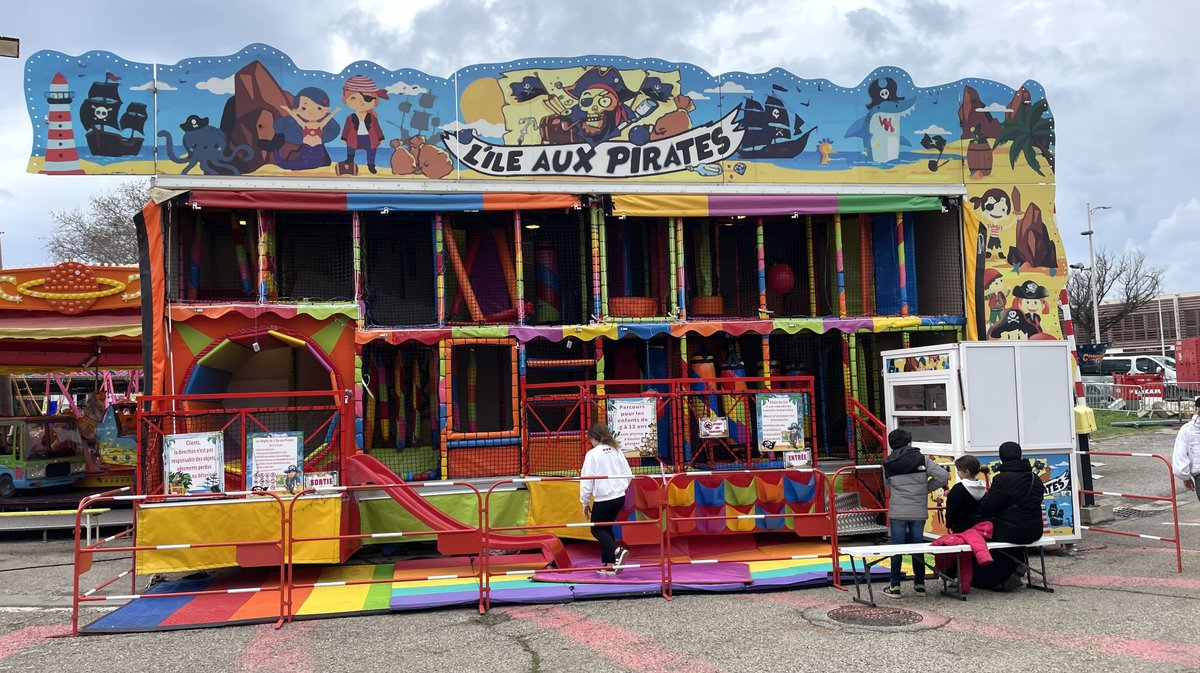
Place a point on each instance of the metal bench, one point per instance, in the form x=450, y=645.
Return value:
x=872, y=555
x=52, y=519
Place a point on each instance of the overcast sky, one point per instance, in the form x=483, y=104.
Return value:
x=1122, y=77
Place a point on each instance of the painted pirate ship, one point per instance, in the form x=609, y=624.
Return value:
x=771, y=130
x=107, y=126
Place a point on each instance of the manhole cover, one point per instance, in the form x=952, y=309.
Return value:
x=861, y=615
x=1139, y=511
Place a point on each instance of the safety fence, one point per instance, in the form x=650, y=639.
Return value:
x=266, y=552
x=654, y=525
x=1137, y=496
x=1153, y=397
x=698, y=423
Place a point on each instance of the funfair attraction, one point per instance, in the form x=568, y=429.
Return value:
x=381, y=303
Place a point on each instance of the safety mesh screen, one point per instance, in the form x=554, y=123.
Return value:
x=557, y=260
x=721, y=256
x=314, y=256
x=399, y=282
x=637, y=255
x=939, y=260
x=481, y=388
x=819, y=356
x=212, y=255
x=401, y=426
x=481, y=272
x=789, y=279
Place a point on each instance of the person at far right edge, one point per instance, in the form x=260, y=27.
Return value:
x=1185, y=462
x=1014, y=506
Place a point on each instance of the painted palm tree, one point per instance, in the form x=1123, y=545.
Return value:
x=1029, y=130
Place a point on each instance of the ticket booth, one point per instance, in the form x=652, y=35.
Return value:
x=969, y=398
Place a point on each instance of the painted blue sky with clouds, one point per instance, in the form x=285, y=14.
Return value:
x=1120, y=76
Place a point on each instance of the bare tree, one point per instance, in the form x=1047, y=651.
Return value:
x=1128, y=280
x=104, y=233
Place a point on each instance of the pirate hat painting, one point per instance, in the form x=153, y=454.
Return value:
x=528, y=88
x=654, y=88
x=601, y=76
x=882, y=92
x=194, y=122
x=1030, y=290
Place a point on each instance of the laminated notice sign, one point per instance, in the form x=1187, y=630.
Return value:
x=634, y=421
x=192, y=463
x=275, y=461
x=780, y=421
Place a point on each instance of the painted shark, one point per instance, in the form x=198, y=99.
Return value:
x=880, y=128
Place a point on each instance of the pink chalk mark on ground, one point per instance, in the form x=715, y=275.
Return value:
x=1122, y=582
x=1158, y=651
x=291, y=649
x=617, y=644
x=20, y=640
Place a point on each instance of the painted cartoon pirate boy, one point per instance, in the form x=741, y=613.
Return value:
x=993, y=285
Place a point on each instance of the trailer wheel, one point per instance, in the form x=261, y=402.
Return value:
x=7, y=490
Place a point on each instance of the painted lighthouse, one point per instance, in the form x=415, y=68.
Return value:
x=61, y=156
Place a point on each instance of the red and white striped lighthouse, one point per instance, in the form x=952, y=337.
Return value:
x=61, y=156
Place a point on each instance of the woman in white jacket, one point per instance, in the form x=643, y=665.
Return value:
x=1186, y=459
x=602, y=499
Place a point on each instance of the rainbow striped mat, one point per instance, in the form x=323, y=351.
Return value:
x=252, y=596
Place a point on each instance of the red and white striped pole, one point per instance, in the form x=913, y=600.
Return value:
x=1069, y=335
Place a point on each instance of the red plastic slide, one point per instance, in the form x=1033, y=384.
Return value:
x=363, y=469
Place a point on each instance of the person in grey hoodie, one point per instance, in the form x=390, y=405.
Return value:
x=911, y=477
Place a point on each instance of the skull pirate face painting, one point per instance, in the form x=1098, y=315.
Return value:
x=601, y=112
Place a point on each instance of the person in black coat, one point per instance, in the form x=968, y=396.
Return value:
x=1014, y=502
x=1014, y=506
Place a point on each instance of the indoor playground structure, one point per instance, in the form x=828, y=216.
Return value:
x=359, y=363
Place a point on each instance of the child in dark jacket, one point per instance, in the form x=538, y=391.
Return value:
x=911, y=477
x=962, y=502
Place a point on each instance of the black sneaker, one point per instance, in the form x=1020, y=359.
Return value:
x=619, y=559
x=919, y=589
x=1013, y=583
x=892, y=591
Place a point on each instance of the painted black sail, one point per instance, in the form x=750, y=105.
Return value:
x=771, y=130
x=100, y=114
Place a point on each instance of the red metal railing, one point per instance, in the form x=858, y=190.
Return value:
x=1136, y=496
x=825, y=518
x=451, y=541
x=267, y=552
x=654, y=526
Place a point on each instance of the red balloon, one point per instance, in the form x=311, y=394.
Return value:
x=780, y=278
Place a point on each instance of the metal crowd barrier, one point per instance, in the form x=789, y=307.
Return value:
x=1135, y=496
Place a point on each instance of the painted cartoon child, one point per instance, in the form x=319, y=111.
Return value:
x=1012, y=326
x=994, y=291
x=362, y=130
x=1030, y=299
x=995, y=205
x=300, y=136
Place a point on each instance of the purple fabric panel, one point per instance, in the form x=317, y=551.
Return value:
x=527, y=334
x=849, y=324
x=780, y=204
x=717, y=573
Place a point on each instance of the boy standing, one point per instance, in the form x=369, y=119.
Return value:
x=911, y=477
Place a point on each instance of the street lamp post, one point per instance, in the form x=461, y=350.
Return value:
x=1092, y=255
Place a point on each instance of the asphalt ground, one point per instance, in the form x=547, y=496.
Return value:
x=1118, y=605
